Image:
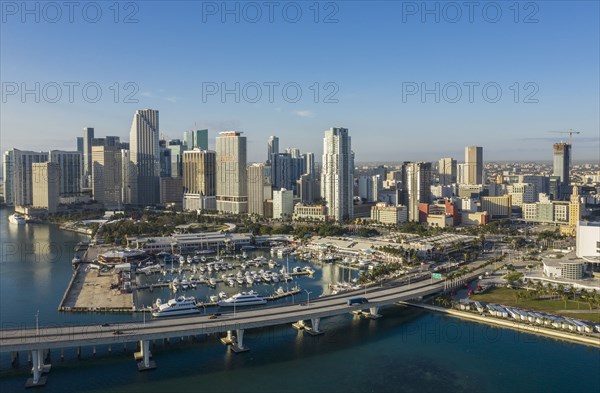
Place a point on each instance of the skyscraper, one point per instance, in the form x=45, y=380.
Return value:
x=70, y=167
x=45, y=181
x=164, y=158
x=88, y=135
x=474, y=165
x=195, y=139
x=16, y=171
x=309, y=164
x=176, y=148
x=259, y=188
x=144, y=152
x=107, y=174
x=281, y=171
x=199, y=179
x=561, y=167
x=416, y=186
x=447, y=171
x=272, y=147
x=232, y=186
x=80, y=145
x=337, y=181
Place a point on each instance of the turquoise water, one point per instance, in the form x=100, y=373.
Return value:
x=406, y=351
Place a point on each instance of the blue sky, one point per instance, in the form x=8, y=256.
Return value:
x=367, y=56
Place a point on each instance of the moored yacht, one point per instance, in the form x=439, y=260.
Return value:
x=17, y=219
x=243, y=299
x=179, y=306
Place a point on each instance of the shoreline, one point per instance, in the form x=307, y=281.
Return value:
x=522, y=327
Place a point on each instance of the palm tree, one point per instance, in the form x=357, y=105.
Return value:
x=565, y=297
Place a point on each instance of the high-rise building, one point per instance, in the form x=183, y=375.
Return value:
x=368, y=188
x=259, y=188
x=144, y=151
x=71, y=170
x=337, y=183
x=309, y=164
x=45, y=181
x=80, y=145
x=199, y=179
x=281, y=171
x=195, y=139
x=16, y=172
x=522, y=193
x=283, y=204
x=88, y=135
x=272, y=147
x=107, y=175
x=232, y=186
x=447, y=171
x=561, y=167
x=128, y=177
x=176, y=147
x=416, y=186
x=164, y=158
x=474, y=165
x=309, y=188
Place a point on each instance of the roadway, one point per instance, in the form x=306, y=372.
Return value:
x=84, y=335
x=50, y=337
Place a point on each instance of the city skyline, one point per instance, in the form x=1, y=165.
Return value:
x=368, y=94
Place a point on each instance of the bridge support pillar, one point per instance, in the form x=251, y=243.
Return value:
x=145, y=364
x=229, y=339
x=373, y=313
x=38, y=369
x=314, y=329
x=238, y=345
x=143, y=350
x=14, y=358
x=299, y=325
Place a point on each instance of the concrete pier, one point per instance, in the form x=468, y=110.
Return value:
x=238, y=345
x=313, y=330
x=145, y=364
x=373, y=313
x=38, y=369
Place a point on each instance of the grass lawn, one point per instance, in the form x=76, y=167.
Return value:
x=507, y=297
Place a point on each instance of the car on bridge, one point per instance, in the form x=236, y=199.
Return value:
x=357, y=300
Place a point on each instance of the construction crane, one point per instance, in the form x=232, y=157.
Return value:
x=570, y=132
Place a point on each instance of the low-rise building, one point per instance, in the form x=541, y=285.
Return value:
x=304, y=212
x=497, y=206
x=568, y=269
x=388, y=214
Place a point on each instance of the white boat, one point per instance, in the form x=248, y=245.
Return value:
x=309, y=269
x=189, y=259
x=185, y=284
x=213, y=298
x=17, y=219
x=222, y=295
x=243, y=299
x=212, y=282
x=179, y=306
x=195, y=259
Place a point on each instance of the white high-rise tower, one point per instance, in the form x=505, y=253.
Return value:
x=232, y=187
x=144, y=153
x=337, y=174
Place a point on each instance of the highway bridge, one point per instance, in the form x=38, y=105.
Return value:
x=38, y=340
